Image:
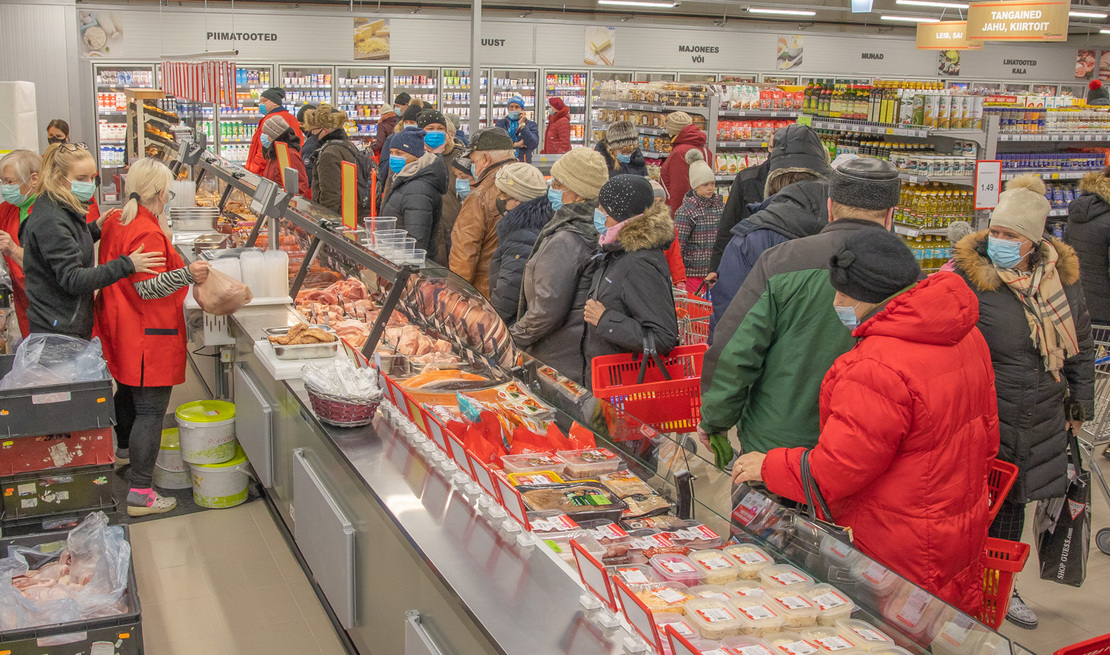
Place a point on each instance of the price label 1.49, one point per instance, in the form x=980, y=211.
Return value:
x=988, y=183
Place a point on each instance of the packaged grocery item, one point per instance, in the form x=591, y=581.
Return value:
x=640, y=505
x=792, y=643
x=912, y=609
x=716, y=592
x=784, y=575
x=865, y=635
x=746, y=645
x=676, y=621
x=745, y=588
x=832, y=604
x=589, y=463
x=539, y=477
x=581, y=501
x=531, y=462
x=797, y=610
x=616, y=541
x=677, y=568
x=634, y=574
x=750, y=559
x=758, y=615
x=623, y=483
x=695, y=536
x=551, y=522
x=664, y=596
x=829, y=639
x=713, y=618
x=717, y=567
x=561, y=545
x=664, y=523
x=838, y=554
x=956, y=634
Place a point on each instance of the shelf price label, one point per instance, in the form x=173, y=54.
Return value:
x=988, y=183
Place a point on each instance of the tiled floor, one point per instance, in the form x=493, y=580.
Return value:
x=225, y=583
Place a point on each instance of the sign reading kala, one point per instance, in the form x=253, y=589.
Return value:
x=945, y=35
x=1019, y=20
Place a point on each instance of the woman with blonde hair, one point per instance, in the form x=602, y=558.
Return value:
x=58, y=255
x=141, y=325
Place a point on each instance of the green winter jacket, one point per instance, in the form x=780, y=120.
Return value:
x=774, y=344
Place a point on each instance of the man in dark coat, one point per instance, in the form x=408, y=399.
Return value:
x=747, y=190
x=419, y=182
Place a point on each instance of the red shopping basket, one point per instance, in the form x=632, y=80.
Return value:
x=1096, y=646
x=1002, y=478
x=642, y=388
x=1005, y=559
x=693, y=319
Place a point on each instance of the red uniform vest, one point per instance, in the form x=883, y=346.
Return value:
x=9, y=222
x=256, y=163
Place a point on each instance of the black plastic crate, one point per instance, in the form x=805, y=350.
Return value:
x=124, y=631
x=56, y=491
x=36, y=411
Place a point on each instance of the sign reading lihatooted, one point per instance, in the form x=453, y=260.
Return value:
x=1018, y=20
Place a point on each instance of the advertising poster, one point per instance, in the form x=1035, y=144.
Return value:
x=789, y=52
x=1104, y=66
x=100, y=30
x=1085, y=61
x=601, y=46
x=371, y=38
x=948, y=63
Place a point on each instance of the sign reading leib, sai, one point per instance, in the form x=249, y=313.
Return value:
x=1019, y=20
x=945, y=35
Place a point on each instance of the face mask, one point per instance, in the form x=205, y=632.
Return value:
x=462, y=188
x=265, y=140
x=473, y=171
x=1003, y=252
x=262, y=109
x=11, y=194
x=83, y=190
x=847, y=316
x=555, y=198
x=623, y=158
x=514, y=115
x=396, y=163
x=599, y=221
x=502, y=206
x=55, y=139
x=398, y=110
x=435, y=139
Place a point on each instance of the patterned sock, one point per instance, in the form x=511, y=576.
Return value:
x=144, y=497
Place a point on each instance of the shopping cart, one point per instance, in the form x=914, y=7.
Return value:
x=693, y=318
x=1096, y=432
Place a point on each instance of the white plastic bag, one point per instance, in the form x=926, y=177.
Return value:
x=51, y=359
x=340, y=377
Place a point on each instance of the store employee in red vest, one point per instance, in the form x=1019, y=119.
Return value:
x=270, y=104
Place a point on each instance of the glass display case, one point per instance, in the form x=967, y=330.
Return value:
x=740, y=78
x=641, y=76
x=110, y=81
x=508, y=83
x=597, y=80
x=702, y=78
x=361, y=92
x=422, y=83
x=306, y=85
x=456, y=96
x=571, y=88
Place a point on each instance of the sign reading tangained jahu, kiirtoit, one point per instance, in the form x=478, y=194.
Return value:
x=1018, y=20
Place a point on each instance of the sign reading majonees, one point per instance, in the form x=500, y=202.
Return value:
x=1019, y=20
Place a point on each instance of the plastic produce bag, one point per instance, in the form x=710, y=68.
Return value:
x=51, y=359
x=340, y=377
x=221, y=294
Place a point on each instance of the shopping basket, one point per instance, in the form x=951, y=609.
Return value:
x=693, y=318
x=1096, y=646
x=1002, y=478
x=664, y=393
x=1005, y=559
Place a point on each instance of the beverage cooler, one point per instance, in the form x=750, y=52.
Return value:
x=456, y=96
x=508, y=83
x=236, y=125
x=200, y=116
x=306, y=84
x=739, y=78
x=571, y=87
x=361, y=93
x=653, y=77
x=422, y=83
x=111, y=113
x=597, y=79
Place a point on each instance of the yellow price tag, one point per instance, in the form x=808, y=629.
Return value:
x=1055, y=176
x=890, y=130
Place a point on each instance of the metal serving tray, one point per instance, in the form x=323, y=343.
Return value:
x=303, y=351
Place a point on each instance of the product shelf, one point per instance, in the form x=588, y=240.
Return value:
x=742, y=144
x=962, y=180
x=645, y=106
x=1049, y=175
x=1056, y=136
x=758, y=113
x=865, y=127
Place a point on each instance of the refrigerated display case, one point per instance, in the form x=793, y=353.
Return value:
x=701, y=78
x=571, y=87
x=361, y=92
x=598, y=78
x=422, y=83
x=306, y=84
x=739, y=78
x=508, y=83
x=653, y=77
x=236, y=125
x=456, y=96
x=110, y=80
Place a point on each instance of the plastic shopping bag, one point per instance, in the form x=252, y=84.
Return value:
x=1063, y=526
x=221, y=294
x=51, y=359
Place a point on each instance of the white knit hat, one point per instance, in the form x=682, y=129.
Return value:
x=582, y=170
x=676, y=121
x=700, y=172
x=521, y=181
x=1022, y=207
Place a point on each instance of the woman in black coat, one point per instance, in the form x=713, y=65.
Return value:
x=1089, y=233
x=416, y=189
x=517, y=232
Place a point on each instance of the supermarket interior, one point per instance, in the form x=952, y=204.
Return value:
x=578, y=342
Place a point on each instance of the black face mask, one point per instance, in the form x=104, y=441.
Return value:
x=55, y=139
x=501, y=206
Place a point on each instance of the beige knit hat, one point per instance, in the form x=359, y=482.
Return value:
x=583, y=171
x=700, y=173
x=1022, y=207
x=676, y=121
x=274, y=127
x=386, y=109
x=521, y=181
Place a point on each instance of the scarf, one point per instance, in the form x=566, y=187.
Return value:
x=1046, y=309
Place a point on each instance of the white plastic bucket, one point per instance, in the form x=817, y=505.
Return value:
x=206, y=431
x=221, y=485
x=169, y=454
x=166, y=479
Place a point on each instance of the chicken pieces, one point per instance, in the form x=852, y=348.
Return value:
x=302, y=334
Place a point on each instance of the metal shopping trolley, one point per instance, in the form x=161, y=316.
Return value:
x=693, y=317
x=1096, y=432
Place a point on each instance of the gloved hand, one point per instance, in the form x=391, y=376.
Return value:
x=722, y=449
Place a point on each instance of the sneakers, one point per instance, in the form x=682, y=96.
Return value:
x=123, y=454
x=1020, y=615
x=153, y=504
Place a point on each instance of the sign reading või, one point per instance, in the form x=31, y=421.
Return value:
x=945, y=35
x=1018, y=20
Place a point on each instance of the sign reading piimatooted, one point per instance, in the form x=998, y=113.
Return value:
x=1018, y=20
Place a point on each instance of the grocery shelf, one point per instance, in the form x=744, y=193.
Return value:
x=307, y=87
x=1060, y=211
x=915, y=231
x=742, y=144
x=646, y=106
x=758, y=113
x=870, y=128
x=642, y=129
x=654, y=155
x=725, y=178
x=1050, y=175
x=963, y=180
x=1057, y=136
x=113, y=142
x=358, y=87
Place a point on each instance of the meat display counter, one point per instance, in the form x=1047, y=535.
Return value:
x=412, y=554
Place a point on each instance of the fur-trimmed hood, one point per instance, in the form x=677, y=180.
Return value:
x=1096, y=199
x=970, y=256
x=653, y=230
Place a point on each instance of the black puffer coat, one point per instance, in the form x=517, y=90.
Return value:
x=633, y=281
x=416, y=199
x=1030, y=400
x=517, y=232
x=636, y=164
x=1089, y=233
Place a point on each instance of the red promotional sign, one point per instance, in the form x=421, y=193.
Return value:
x=593, y=575
x=638, y=615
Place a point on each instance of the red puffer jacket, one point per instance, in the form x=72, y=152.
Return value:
x=556, y=138
x=675, y=172
x=909, y=430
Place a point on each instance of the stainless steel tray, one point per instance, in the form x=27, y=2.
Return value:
x=302, y=351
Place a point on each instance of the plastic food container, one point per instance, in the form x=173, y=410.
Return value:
x=838, y=553
x=533, y=462
x=747, y=645
x=798, y=610
x=956, y=634
x=536, y=477
x=222, y=485
x=664, y=596
x=170, y=471
x=301, y=351
x=913, y=610
x=581, y=501
x=758, y=614
x=714, y=619
x=634, y=574
x=829, y=639
x=716, y=592
x=750, y=559
x=677, y=568
x=867, y=636
x=624, y=483
x=784, y=575
x=792, y=643
x=747, y=588
x=876, y=580
x=560, y=543
x=832, y=604
x=206, y=431
x=616, y=541
x=589, y=462
x=696, y=536
x=717, y=567
x=677, y=621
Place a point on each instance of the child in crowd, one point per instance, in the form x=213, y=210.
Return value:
x=697, y=219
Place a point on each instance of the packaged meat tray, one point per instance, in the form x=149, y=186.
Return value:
x=612, y=537
x=634, y=574
x=747, y=645
x=677, y=568
x=695, y=536
x=647, y=543
x=832, y=604
x=581, y=501
x=830, y=640
x=866, y=636
x=640, y=505
x=624, y=483
x=792, y=643
x=589, y=462
x=713, y=619
x=660, y=523
x=545, y=523
x=750, y=559
x=664, y=596
x=758, y=615
x=714, y=591
x=537, y=477
x=797, y=610
x=745, y=588
x=784, y=575
x=677, y=621
x=532, y=462
x=717, y=567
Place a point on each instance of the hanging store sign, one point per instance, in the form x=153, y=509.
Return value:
x=945, y=35
x=205, y=81
x=1019, y=20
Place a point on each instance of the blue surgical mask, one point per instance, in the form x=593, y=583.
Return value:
x=265, y=140
x=473, y=171
x=435, y=139
x=555, y=198
x=514, y=115
x=398, y=110
x=83, y=190
x=623, y=158
x=1003, y=252
x=262, y=109
x=10, y=193
x=396, y=163
x=599, y=221
x=462, y=188
x=847, y=316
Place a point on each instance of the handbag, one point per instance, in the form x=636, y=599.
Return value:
x=815, y=501
x=1063, y=526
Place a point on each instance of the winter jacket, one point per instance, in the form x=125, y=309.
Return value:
x=517, y=232
x=327, y=179
x=474, y=237
x=274, y=173
x=1089, y=233
x=460, y=136
x=696, y=222
x=747, y=189
x=526, y=131
x=635, y=166
x=59, y=268
x=385, y=128
x=774, y=344
x=909, y=431
x=675, y=171
x=556, y=138
x=311, y=143
x=256, y=163
x=451, y=206
x=416, y=199
x=1030, y=399
x=385, y=175
x=554, y=290
x=632, y=280
x=799, y=210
